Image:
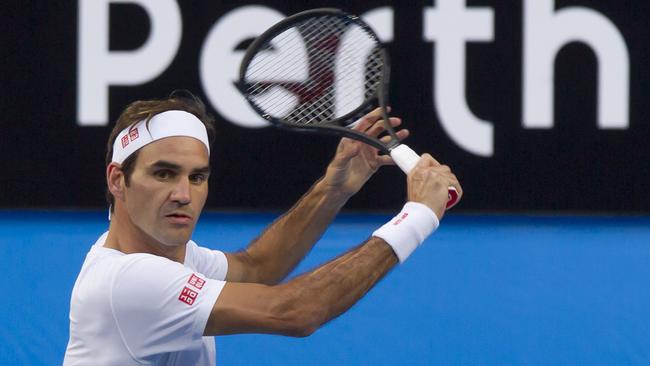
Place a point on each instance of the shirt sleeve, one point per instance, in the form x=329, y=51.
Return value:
x=212, y=263
x=161, y=306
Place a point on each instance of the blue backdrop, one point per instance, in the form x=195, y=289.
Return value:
x=484, y=290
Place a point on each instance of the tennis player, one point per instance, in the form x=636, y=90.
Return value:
x=148, y=295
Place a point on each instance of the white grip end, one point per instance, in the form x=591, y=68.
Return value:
x=404, y=157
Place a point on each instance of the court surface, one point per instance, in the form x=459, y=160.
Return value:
x=484, y=290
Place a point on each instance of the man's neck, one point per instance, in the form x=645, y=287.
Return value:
x=128, y=238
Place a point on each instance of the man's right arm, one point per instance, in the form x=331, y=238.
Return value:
x=302, y=305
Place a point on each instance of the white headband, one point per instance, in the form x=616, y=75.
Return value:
x=166, y=124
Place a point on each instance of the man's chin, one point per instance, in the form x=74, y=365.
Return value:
x=176, y=239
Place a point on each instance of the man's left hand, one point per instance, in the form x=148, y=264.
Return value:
x=355, y=162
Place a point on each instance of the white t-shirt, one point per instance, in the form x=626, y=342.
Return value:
x=142, y=309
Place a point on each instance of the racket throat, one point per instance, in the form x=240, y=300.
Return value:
x=392, y=145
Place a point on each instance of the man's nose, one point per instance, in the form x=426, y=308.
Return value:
x=181, y=192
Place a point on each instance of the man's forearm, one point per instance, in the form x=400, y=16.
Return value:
x=287, y=240
x=333, y=288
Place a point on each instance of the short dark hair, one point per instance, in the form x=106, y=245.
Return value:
x=144, y=110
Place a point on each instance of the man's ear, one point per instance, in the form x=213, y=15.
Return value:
x=115, y=180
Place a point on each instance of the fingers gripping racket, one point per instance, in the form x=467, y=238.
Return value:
x=318, y=71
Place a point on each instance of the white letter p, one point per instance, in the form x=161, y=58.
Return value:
x=99, y=68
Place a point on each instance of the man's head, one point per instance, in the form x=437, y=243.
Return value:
x=157, y=166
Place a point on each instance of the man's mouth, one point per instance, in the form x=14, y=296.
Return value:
x=179, y=218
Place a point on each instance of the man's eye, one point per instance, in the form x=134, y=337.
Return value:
x=198, y=178
x=162, y=174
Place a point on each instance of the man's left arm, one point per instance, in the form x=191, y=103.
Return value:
x=279, y=249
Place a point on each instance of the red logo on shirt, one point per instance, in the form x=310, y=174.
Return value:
x=188, y=296
x=196, y=281
x=134, y=134
x=125, y=141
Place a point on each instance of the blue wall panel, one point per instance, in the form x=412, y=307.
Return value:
x=484, y=290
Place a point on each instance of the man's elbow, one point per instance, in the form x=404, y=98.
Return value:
x=300, y=319
x=259, y=270
x=302, y=327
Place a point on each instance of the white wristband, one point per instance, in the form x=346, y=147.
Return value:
x=406, y=231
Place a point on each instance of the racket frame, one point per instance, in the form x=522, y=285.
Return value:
x=336, y=126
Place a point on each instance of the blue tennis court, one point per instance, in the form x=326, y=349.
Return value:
x=484, y=290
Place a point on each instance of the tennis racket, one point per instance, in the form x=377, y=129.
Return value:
x=318, y=71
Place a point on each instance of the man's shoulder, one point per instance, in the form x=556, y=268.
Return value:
x=139, y=262
x=108, y=266
x=103, y=254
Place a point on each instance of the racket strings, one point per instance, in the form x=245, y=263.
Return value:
x=298, y=75
x=322, y=37
x=293, y=43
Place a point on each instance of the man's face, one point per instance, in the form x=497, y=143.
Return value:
x=168, y=188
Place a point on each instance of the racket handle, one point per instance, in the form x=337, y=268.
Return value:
x=406, y=159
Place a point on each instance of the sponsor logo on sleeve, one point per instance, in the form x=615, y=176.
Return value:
x=196, y=281
x=188, y=296
x=190, y=292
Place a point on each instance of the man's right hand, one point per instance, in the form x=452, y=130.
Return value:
x=429, y=182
